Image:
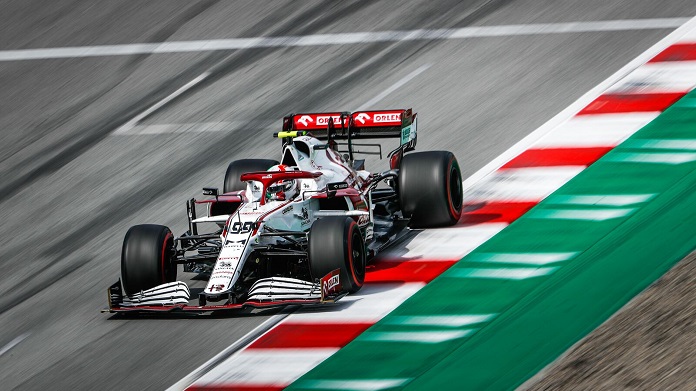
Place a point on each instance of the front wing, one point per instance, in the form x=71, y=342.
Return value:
x=173, y=297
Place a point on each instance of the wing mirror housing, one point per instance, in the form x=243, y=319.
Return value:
x=332, y=188
x=211, y=191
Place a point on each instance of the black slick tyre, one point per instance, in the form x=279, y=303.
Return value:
x=242, y=166
x=336, y=242
x=147, y=258
x=430, y=189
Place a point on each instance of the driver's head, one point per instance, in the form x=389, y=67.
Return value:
x=282, y=190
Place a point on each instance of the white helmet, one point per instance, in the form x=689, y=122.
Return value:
x=282, y=190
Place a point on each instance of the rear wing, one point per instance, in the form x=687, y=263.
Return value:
x=401, y=124
x=358, y=125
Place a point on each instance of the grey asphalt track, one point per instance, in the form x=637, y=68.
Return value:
x=70, y=187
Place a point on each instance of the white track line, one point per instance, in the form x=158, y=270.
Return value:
x=132, y=127
x=230, y=350
x=598, y=130
x=135, y=120
x=340, y=39
x=196, y=127
x=13, y=343
x=368, y=105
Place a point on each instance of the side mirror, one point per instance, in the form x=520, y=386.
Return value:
x=332, y=188
x=210, y=191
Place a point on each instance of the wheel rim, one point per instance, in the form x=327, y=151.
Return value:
x=456, y=196
x=357, y=255
x=168, y=267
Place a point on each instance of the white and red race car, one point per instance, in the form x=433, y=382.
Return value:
x=297, y=231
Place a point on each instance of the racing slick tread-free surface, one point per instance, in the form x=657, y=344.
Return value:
x=336, y=243
x=430, y=188
x=146, y=257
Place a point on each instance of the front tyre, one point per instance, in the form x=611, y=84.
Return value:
x=430, y=189
x=147, y=258
x=337, y=243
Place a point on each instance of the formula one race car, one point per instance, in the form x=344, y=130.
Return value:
x=298, y=231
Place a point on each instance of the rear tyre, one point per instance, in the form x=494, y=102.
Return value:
x=430, y=189
x=337, y=243
x=147, y=258
x=239, y=167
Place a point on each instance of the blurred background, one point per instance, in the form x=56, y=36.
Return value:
x=82, y=158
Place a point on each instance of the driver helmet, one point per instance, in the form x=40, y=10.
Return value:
x=282, y=190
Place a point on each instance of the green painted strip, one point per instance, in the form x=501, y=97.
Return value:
x=600, y=200
x=664, y=144
x=521, y=259
x=580, y=214
x=542, y=310
x=440, y=321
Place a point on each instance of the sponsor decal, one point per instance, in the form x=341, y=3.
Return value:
x=369, y=232
x=305, y=120
x=362, y=117
x=239, y=228
x=331, y=284
x=364, y=219
x=304, y=216
x=210, y=191
x=406, y=134
x=287, y=210
x=230, y=243
x=324, y=119
x=267, y=176
x=337, y=186
x=318, y=120
x=217, y=288
x=220, y=273
x=386, y=117
x=225, y=276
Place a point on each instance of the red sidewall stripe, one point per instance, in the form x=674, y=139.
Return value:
x=351, y=261
x=453, y=212
x=164, y=252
